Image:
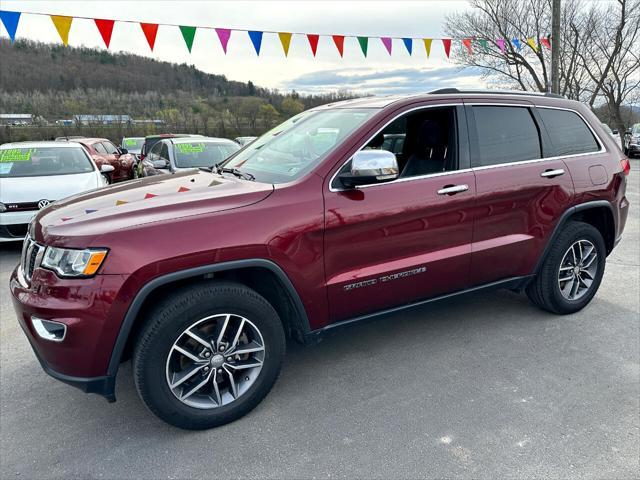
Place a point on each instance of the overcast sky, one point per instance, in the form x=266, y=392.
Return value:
x=378, y=73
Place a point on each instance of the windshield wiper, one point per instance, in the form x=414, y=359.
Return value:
x=218, y=168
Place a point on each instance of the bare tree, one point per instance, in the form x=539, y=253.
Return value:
x=599, y=47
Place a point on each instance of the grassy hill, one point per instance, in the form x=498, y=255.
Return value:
x=54, y=82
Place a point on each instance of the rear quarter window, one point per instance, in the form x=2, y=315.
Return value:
x=568, y=132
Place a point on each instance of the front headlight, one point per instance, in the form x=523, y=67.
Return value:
x=67, y=262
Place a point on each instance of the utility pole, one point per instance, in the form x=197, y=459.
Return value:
x=555, y=47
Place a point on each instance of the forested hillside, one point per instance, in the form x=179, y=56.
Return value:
x=54, y=82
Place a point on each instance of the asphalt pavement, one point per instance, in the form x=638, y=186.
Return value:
x=484, y=386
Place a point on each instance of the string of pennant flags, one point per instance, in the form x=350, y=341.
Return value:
x=10, y=20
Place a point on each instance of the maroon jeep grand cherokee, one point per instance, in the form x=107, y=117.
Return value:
x=200, y=276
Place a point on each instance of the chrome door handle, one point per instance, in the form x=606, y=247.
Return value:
x=453, y=189
x=552, y=173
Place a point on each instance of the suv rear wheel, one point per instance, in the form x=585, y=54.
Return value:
x=208, y=355
x=571, y=272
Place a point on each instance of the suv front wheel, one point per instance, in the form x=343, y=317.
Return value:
x=572, y=271
x=208, y=355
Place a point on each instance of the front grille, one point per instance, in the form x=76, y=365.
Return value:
x=31, y=257
x=18, y=229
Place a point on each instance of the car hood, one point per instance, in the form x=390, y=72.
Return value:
x=160, y=198
x=50, y=187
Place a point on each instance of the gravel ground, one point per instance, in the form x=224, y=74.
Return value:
x=485, y=386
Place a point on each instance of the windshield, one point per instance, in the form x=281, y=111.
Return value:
x=132, y=144
x=34, y=162
x=296, y=146
x=636, y=129
x=202, y=154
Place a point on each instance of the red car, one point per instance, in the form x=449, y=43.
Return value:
x=104, y=151
x=311, y=227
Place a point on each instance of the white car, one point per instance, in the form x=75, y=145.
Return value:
x=35, y=174
x=616, y=135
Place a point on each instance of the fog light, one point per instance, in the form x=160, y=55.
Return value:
x=52, y=331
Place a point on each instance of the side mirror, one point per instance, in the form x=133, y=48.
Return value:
x=614, y=131
x=160, y=164
x=123, y=151
x=106, y=168
x=370, y=166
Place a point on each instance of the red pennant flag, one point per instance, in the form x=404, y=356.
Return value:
x=150, y=195
x=339, y=41
x=467, y=43
x=546, y=43
x=105, y=27
x=183, y=189
x=446, y=43
x=313, y=42
x=150, y=31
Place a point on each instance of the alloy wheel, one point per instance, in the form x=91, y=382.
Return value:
x=215, y=361
x=578, y=270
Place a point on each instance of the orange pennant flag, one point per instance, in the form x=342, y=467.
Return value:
x=427, y=45
x=63, y=25
x=285, y=40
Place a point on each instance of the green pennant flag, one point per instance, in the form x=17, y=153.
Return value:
x=364, y=44
x=188, y=33
x=484, y=44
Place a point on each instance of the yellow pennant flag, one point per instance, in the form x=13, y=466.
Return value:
x=285, y=40
x=427, y=45
x=532, y=44
x=63, y=25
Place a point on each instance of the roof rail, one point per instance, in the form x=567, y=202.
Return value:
x=444, y=91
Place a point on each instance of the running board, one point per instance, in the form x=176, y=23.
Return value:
x=514, y=283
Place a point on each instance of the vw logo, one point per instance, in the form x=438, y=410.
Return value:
x=43, y=203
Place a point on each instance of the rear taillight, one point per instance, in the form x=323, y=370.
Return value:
x=626, y=166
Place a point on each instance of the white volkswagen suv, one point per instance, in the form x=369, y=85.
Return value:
x=35, y=174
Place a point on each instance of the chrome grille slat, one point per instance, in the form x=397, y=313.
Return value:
x=31, y=257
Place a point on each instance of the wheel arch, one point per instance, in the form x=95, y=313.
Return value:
x=598, y=213
x=264, y=276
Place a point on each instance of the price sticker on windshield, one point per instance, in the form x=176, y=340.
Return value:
x=130, y=142
x=11, y=155
x=190, y=147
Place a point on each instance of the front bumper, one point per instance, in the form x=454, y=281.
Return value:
x=82, y=305
x=13, y=225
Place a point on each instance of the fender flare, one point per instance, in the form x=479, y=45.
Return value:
x=565, y=218
x=148, y=288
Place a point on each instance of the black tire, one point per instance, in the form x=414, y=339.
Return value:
x=177, y=312
x=544, y=290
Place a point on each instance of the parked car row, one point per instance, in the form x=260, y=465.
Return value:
x=35, y=174
x=632, y=141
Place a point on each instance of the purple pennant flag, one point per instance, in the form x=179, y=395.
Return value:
x=224, y=34
x=500, y=43
x=386, y=41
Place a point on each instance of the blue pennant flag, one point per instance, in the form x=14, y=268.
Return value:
x=408, y=42
x=516, y=42
x=10, y=21
x=256, y=39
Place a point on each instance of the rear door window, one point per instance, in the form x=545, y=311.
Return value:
x=568, y=132
x=506, y=134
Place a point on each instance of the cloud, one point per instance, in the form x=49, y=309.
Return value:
x=384, y=82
